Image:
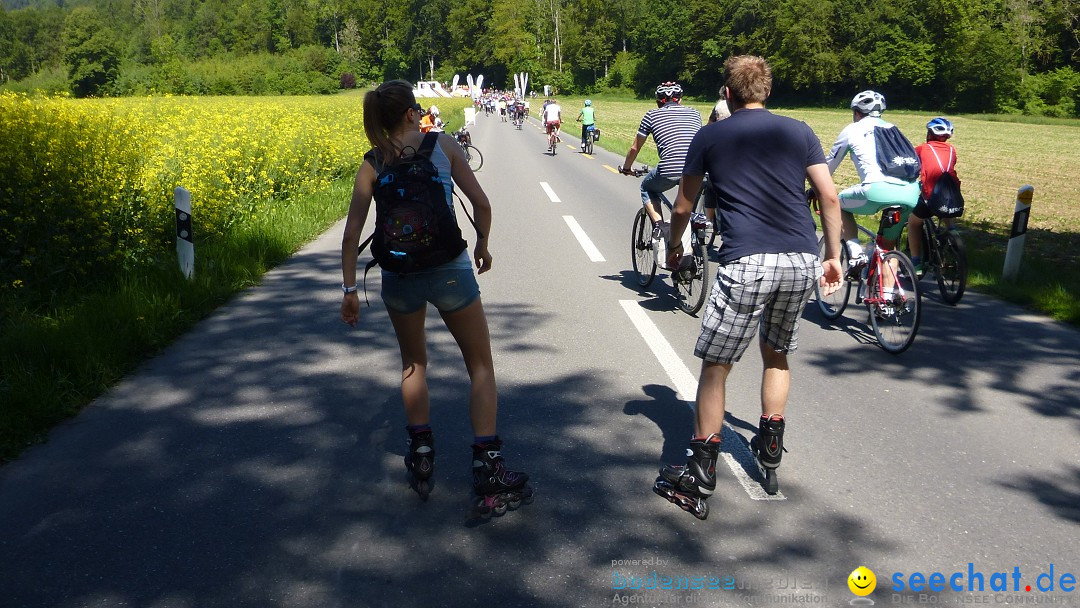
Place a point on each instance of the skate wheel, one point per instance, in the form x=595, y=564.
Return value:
x=771, y=485
x=702, y=511
x=526, y=495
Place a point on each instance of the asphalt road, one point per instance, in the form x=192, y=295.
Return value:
x=258, y=461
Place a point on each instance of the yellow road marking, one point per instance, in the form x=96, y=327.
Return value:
x=612, y=169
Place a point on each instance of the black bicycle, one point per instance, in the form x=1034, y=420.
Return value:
x=691, y=278
x=591, y=133
x=944, y=254
x=472, y=154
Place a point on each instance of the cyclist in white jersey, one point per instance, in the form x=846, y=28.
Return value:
x=875, y=190
x=552, y=119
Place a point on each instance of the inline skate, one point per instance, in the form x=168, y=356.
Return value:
x=768, y=448
x=420, y=462
x=496, y=487
x=691, y=484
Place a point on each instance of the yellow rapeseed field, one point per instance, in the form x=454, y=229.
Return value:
x=89, y=183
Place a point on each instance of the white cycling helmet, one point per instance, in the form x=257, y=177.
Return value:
x=433, y=110
x=669, y=90
x=869, y=102
x=940, y=126
x=588, y=102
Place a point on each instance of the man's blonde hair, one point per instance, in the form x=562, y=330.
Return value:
x=748, y=78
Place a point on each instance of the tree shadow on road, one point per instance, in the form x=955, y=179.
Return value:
x=258, y=462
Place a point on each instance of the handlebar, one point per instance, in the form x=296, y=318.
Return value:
x=812, y=201
x=638, y=172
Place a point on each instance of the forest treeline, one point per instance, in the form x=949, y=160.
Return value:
x=956, y=55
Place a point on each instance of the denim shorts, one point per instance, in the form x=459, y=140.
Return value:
x=450, y=287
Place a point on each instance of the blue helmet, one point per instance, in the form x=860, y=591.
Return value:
x=940, y=126
x=588, y=102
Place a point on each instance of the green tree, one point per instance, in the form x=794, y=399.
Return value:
x=666, y=33
x=90, y=52
x=7, y=45
x=590, y=38
x=514, y=46
x=471, y=42
x=803, y=56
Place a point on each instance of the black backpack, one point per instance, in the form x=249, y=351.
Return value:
x=895, y=154
x=946, y=199
x=415, y=228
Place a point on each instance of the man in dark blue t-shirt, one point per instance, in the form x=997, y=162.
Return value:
x=758, y=164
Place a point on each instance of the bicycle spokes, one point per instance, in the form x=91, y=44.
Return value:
x=894, y=301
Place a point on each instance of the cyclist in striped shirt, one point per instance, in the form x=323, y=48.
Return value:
x=672, y=126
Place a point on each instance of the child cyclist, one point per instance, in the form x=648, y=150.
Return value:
x=937, y=157
x=392, y=124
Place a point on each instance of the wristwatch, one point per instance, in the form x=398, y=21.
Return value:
x=345, y=289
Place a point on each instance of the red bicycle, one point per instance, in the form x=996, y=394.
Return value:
x=886, y=283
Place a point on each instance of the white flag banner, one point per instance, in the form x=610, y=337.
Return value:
x=480, y=82
x=453, y=86
x=517, y=84
x=524, y=83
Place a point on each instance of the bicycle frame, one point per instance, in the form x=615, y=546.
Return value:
x=876, y=266
x=691, y=277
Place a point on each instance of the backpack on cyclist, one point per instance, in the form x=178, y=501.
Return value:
x=414, y=227
x=895, y=154
x=945, y=198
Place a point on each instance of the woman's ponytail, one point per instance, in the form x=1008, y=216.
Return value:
x=384, y=108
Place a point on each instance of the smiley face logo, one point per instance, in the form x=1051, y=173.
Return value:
x=862, y=581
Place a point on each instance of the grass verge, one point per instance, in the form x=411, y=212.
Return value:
x=56, y=359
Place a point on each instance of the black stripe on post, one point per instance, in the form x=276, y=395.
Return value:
x=1020, y=221
x=183, y=226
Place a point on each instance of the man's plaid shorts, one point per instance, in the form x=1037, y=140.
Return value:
x=766, y=291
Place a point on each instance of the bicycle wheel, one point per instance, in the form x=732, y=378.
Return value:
x=641, y=248
x=476, y=160
x=951, y=267
x=895, y=318
x=692, y=284
x=588, y=144
x=832, y=306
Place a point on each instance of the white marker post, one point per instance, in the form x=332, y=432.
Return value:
x=185, y=247
x=1015, y=251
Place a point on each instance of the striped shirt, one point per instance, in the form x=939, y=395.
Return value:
x=672, y=126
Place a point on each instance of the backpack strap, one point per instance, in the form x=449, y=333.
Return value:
x=938, y=159
x=428, y=145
